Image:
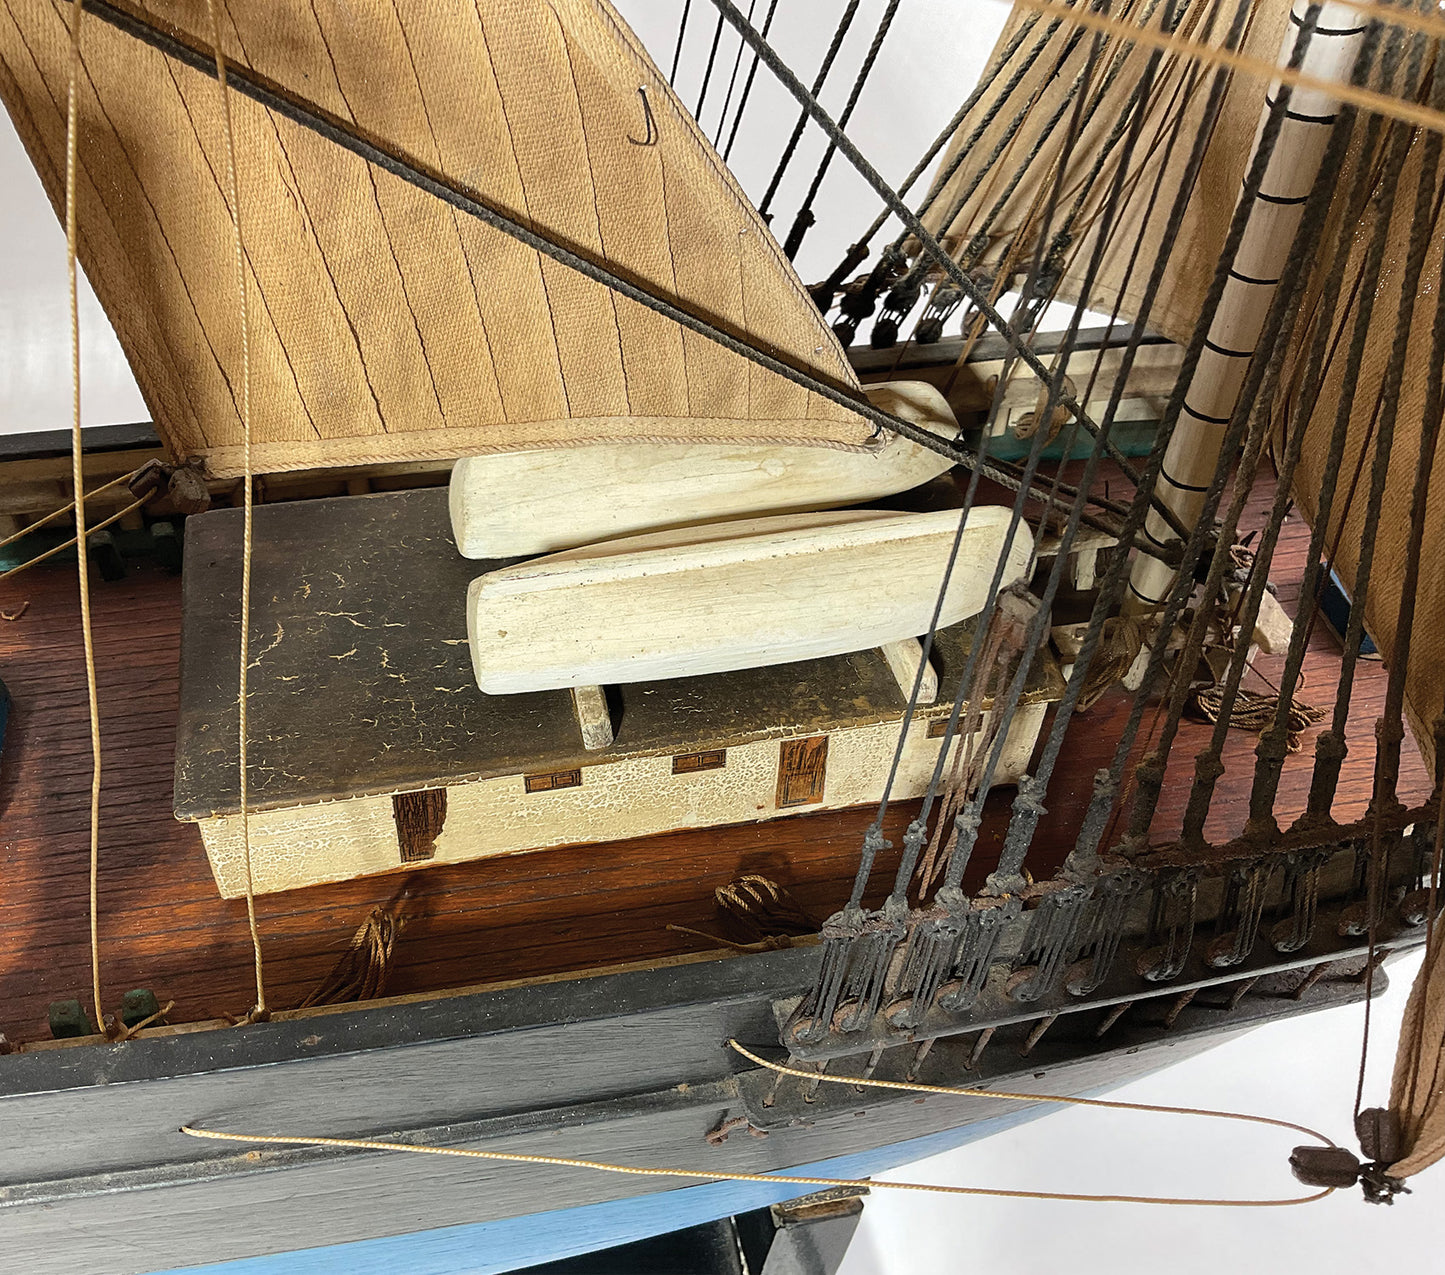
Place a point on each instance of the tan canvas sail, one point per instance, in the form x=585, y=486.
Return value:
x=994, y=158
x=1043, y=79
x=1425, y=676
x=386, y=325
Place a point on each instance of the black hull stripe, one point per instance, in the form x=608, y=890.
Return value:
x=1283, y=203
x=1228, y=354
x=1246, y=278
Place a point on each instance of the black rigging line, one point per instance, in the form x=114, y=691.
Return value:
x=1006, y=140
x=1028, y=805
x=707, y=74
x=805, y=219
x=1244, y=428
x=952, y=127
x=981, y=237
x=677, y=52
x=1025, y=819
x=1201, y=794
x=1101, y=156
x=858, y=251
x=913, y=844
x=765, y=51
x=748, y=84
x=930, y=244
x=1020, y=73
x=416, y=173
x=1106, y=788
x=732, y=82
x=914, y=837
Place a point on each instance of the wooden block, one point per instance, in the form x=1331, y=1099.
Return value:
x=593, y=716
x=903, y=659
x=420, y=817
x=802, y=771
x=728, y=596
x=511, y=504
x=1273, y=627
x=1084, y=568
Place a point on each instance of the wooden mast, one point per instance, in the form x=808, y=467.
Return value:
x=1274, y=217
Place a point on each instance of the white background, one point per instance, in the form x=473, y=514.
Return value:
x=1303, y=1070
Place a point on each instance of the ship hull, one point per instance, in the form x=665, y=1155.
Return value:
x=631, y=1067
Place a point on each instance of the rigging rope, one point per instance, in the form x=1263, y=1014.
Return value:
x=1028, y=805
x=914, y=839
x=681, y=31
x=66, y=508
x=844, y=22
x=748, y=84
x=1267, y=774
x=929, y=243
x=707, y=74
x=956, y=1091
x=259, y=1010
x=1112, y=590
x=65, y=544
x=77, y=478
x=714, y=1175
x=805, y=219
x=514, y=1157
x=949, y=129
x=732, y=83
x=914, y=843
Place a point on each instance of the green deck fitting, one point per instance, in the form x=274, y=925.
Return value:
x=67, y=1018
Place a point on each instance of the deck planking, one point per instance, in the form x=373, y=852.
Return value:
x=163, y=926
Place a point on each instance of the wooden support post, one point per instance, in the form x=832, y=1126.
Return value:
x=1310, y=979
x=925, y=1047
x=903, y=660
x=593, y=716
x=810, y=1087
x=979, y=1045
x=1112, y=1017
x=1177, y=1008
x=1037, y=1034
x=1241, y=990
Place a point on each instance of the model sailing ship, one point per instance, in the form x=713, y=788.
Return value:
x=496, y=237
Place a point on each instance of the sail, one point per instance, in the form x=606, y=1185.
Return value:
x=1061, y=79
x=1361, y=396
x=385, y=325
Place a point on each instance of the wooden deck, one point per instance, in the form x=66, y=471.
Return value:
x=162, y=925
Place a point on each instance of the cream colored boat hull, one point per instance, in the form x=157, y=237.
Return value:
x=511, y=504
x=737, y=595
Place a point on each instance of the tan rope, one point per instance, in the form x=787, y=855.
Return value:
x=1112, y=1104
x=78, y=484
x=1210, y=55
x=65, y=509
x=713, y=1175
x=77, y=540
x=125, y=1033
x=233, y=198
